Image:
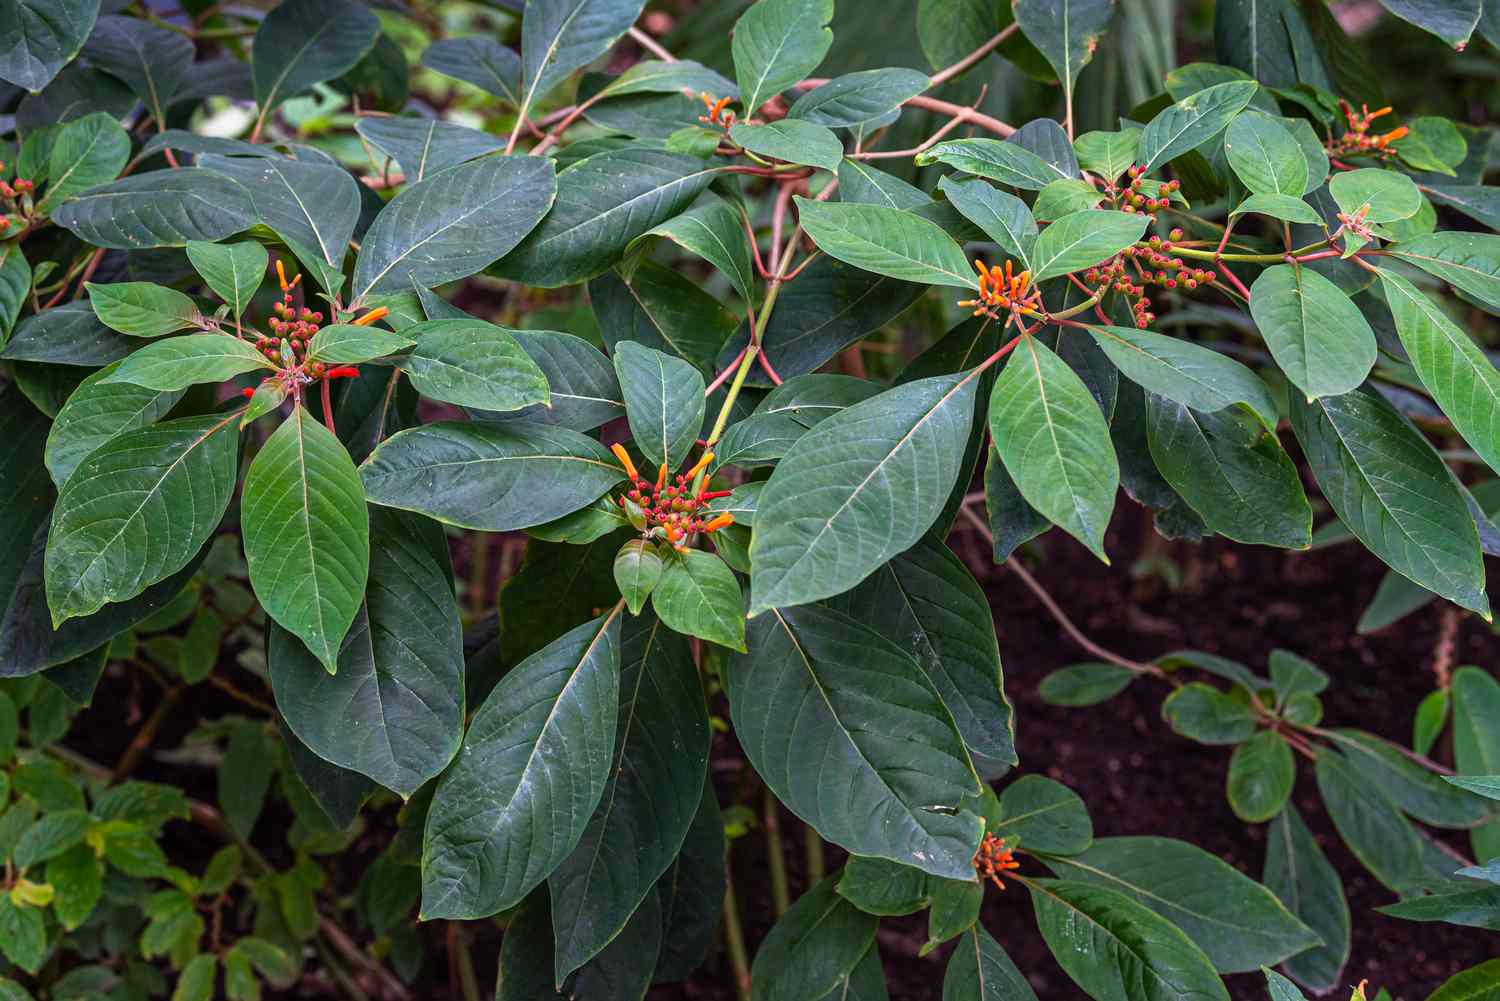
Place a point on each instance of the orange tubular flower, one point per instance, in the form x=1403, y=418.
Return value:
x=1001, y=289
x=993, y=860
x=378, y=313
x=624, y=458
x=719, y=521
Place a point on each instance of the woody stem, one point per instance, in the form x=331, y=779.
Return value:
x=328, y=407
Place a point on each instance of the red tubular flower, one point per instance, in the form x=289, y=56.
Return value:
x=343, y=372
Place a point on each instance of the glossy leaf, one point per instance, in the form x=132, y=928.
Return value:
x=698, y=595
x=1193, y=121
x=560, y=36
x=664, y=402
x=1044, y=816
x=1008, y=163
x=312, y=206
x=1082, y=239
x=142, y=309
x=1265, y=156
x=347, y=344
x=233, y=271
x=814, y=945
x=1467, y=261
x=43, y=36
x=792, y=140
x=776, y=43
x=89, y=151
x=1261, y=772
x=481, y=61
x=158, y=209
x=1066, y=32
x=979, y=970
x=305, y=42
x=1003, y=217
x=424, y=145
x=1193, y=375
x=473, y=364
x=886, y=241
x=179, y=362
x=1317, y=336
x=96, y=412
x=151, y=60
x=712, y=230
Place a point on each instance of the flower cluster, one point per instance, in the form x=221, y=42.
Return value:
x=993, y=860
x=1358, y=138
x=1002, y=290
x=1130, y=199
x=670, y=511
x=17, y=197
x=717, y=114
x=294, y=327
x=1152, y=264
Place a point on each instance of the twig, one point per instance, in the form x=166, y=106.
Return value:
x=650, y=44
x=943, y=76
x=770, y=811
x=734, y=935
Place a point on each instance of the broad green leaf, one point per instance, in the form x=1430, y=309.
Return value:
x=1317, y=335
x=1283, y=207
x=1477, y=983
x=886, y=241
x=42, y=36
x=1487, y=786
x=581, y=381
x=1298, y=872
x=858, y=489
x=305, y=42
x=884, y=888
x=1080, y=685
x=1003, y=217
x=980, y=970
x=1384, y=195
x=394, y=709
x=814, y=945
x=481, y=61
x=69, y=334
x=96, y=412
x=819, y=687
x=712, y=230
x=137, y=510
x=473, y=364
x=1265, y=156
x=1469, y=262
x=1233, y=473
x=1065, y=196
x=1188, y=373
x=1066, y=32
x=653, y=76
x=1192, y=121
x=1082, y=239
x=314, y=207
x=1393, y=491
x=1044, y=816
x=1453, y=22
x=1469, y=908
x=1006, y=162
x=664, y=401
x=89, y=151
x=142, y=309
x=1261, y=772
x=792, y=140
x=1414, y=788
x=624, y=968
x=1476, y=740
x=662, y=309
x=454, y=223
x=1013, y=522
x=698, y=595
x=531, y=770
x=1370, y=824
x=1454, y=369
x=858, y=98
x=180, y=362
x=637, y=569
x=307, y=534
x=651, y=799
x=489, y=477
x=692, y=893
x=1108, y=154
x=49, y=836
x=603, y=204
x=15, y=283
x=1118, y=950
x=158, y=209
x=560, y=36
x=1208, y=715
x=151, y=60
x=926, y=601
x=233, y=270
x=1054, y=442
x=860, y=182
x=424, y=145
x=1477, y=201
x=776, y=43
x=347, y=344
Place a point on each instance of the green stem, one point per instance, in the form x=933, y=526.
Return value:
x=734, y=935
x=740, y=374
x=813, y=844
x=1209, y=255
x=781, y=894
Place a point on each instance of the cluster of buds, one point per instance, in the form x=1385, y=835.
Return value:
x=993, y=860
x=1358, y=139
x=1354, y=222
x=294, y=326
x=718, y=116
x=1152, y=264
x=18, y=193
x=670, y=510
x=1003, y=290
x=1130, y=198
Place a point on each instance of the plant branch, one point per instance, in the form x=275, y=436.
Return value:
x=943, y=76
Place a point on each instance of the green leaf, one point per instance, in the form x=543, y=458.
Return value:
x=1065, y=196
x=88, y=151
x=655, y=787
x=1317, y=335
x=96, y=412
x=234, y=270
x=347, y=344
x=394, y=710
x=1079, y=685
x=1006, y=162
x=49, y=836
x=23, y=934
x=1118, y=950
x=1066, y=32
x=1208, y=715
x=158, y=209
x=244, y=776
x=1261, y=772
x=776, y=43
x=1283, y=207
x=712, y=230
x=1003, y=217
x=305, y=42
x=814, y=945
x=698, y=595
x=307, y=534
x=481, y=61
x=473, y=364
x=1233, y=474
x=664, y=310
x=1477, y=983
x=1476, y=740
x=69, y=334
x=1469, y=262
x=1054, y=442
x=692, y=892
x=42, y=37
x=470, y=474
x=454, y=223
x=142, y=309
x=1477, y=201
x=664, y=401
x=1385, y=195
x=1183, y=127
x=561, y=36
x=1044, y=816
x=653, y=76
x=884, y=888
x=77, y=876
x=1452, y=22
x=1082, y=239
x=314, y=207
x=818, y=686
x=151, y=60
x=857, y=98
x=531, y=770
x=858, y=489
x=980, y=970
x=1370, y=824
x=886, y=241
x=1454, y=369
x=637, y=569
x=1193, y=375
x=603, y=204
x=860, y=182
x=1300, y=874
x=425, y=145
x=792, y=140
x=1108, y=154
x=196, y=982
x=1414, y=788
x=1393, y=491
x=1469, y=908
x=1487, y=786
x=180, y=362
x=15, y=284
x=137, y=510
x=1265, y=156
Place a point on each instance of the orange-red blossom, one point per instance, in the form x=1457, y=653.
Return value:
x=1002, y=289
x=993, y=860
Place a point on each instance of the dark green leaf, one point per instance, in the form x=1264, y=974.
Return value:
x=560, y=36
x=96, y=412
x=1369, y=823
x=1044, y=816
x=886, y=241
x=1193, y=121
x=857, y=98
x=1193, y=375
x=812, y=947
x=314, y=207
x=89, y=151
x=1476, y=740
x=305, y=42
x=1006, y=162
x=1003, y=217
x=1261, y=773
x=1081, y=685
x=179, y=362
x=424, y=145
x=1300, y=874
x=698, y=595
x=664, y=401
x=1467, y=261
x=979, y=970
x=481, y=61
x=152, y=61
x=42, y=36
x=158, y=209
x=1204, y=713
x=1066, y=32
x=69, y=334
x=234, y=271
x=776, y=43
x=473, y=364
